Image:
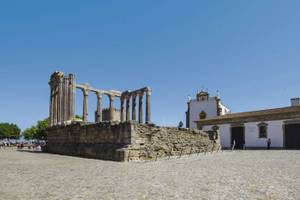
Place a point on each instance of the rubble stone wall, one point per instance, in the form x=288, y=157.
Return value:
x=151, y=142
x=127, y=141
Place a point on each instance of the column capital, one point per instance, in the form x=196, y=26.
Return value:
x=99, y=94
x=148, y=91
x=111, y=97
x=85, y=92
x=141, y=94
x=61, y=79
x=128, y=96
x=122, y=96
x=134, y=95
x=71, y=76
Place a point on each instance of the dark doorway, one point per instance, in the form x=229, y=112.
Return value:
x=238, y=135
x=292, y=136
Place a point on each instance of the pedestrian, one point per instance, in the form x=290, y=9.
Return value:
x=269, y=143
x=233, y=145
x=180, y=125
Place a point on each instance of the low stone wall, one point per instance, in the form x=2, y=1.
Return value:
x=127, y=141
x=151, y=142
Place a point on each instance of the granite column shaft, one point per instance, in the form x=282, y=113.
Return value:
x=99, y=110
x=134, y=106
x=111, y=108
x=148, y=106
x=127, y=108
x=85, y=104
x=141, y=95
x=122, y=109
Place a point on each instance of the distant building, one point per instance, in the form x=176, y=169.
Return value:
x=246, y=129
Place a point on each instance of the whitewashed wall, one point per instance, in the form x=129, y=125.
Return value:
x=210, y=107
x=275, y=133
x=225, y=134
x=252, y=135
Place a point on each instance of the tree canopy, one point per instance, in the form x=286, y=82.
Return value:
x=11, y=131
x=37, y=131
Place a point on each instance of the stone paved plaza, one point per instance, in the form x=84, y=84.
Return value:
x=223, y=175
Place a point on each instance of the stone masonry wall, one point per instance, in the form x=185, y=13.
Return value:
x=151, y=142
x=127, y=141
x=104, y=140
x=106, y=115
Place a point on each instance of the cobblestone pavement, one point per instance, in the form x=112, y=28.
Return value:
x=224, y=175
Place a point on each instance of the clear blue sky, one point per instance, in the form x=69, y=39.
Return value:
x=248, y=50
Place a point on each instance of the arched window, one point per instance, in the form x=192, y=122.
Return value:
x=202, y=115
x=262, y=130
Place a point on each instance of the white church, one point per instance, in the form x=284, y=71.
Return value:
x=246, y=129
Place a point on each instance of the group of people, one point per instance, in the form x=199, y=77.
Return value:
x=33, y=146
x=37, y=146
x=4, y=144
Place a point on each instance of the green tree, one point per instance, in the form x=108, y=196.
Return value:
x=29, y=133
x=37, y=131
x=78, y=117
x=11, y=131
x=41, y=132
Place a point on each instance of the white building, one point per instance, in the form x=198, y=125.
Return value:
x=252, y=129
x=204, y=107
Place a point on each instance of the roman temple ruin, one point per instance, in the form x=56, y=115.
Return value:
x=62, y=101
x=119, y=134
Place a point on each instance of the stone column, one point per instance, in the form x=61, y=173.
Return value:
x=111, y=107
x=63, y=93
x=187, y=122
x=99, y=110
x=141, y=95
x=128, y=107
x=148, y=106
x=59, y=101
x=85, y=104
x=51, y=106
x=71, y=89
x=58, y=104
x=122, y=108
x=134, y=106
x=55, y=105
x=67, y=100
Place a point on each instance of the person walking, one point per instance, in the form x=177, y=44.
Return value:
x=233, y=145
x=269, y=143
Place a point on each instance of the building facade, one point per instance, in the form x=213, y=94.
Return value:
x=204, y=107
x=281, y=126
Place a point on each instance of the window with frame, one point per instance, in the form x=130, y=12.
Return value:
x=262, y=130
x=202, y=115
